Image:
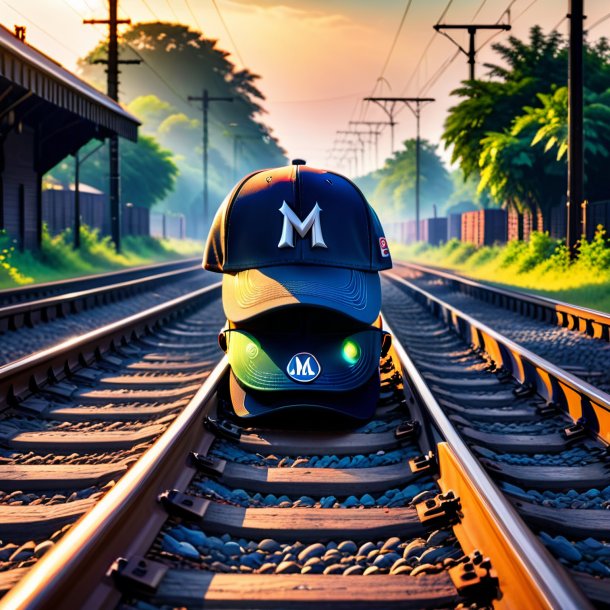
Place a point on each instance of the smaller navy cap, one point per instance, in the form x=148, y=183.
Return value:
x=358, y=404
x=298, y=235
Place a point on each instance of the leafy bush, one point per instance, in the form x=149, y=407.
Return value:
x=595, y=254
x=57, y=259
x=541, y=265
x=9, y=274
x=540, y=248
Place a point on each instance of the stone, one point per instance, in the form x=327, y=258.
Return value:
x=25, y=551
x=269, y=545
x=347, y=546
x=232, y=549
x=288, y=567
x=43, y=547
x=335, y=568
x=313, y=550
x=366, y=548
x=390, y=544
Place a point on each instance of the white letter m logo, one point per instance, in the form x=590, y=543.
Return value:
x=292, y=222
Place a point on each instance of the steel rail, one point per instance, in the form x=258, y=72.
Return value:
x=585, y=403
x=84, y=282
x=594, y=323
x=127, y=519
x=123, y=523
x=52, y=364
x=532, y=567
x=15, y=316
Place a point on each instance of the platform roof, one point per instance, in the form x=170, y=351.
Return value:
x=67, y=111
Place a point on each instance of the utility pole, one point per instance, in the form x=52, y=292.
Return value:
x=112, y=72
x=374, y=133
x=414, y=104
x=472, y=31
x=575, y=195
x=388, y=105
x=358, y=134
x=205, y=100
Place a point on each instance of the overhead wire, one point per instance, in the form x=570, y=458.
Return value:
x=150, y=10
x=427, y=48
x=359, y=103
x=598, y=22
x=188, y=6
x=437, y=75
x=396, y=36
x=226, y=27
x=173, y=10
x=45, y=32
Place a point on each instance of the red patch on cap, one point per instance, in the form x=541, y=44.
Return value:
x=383, y=246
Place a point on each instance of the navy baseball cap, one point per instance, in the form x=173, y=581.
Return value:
x=296, y=235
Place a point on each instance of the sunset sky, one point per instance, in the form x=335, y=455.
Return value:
x=317, y=58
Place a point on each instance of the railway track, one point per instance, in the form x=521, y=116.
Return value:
x=540, y=432
x=573, y=317
x=508, y=509
x=84, y=304
x=234, y=517
x=572, y=337
x=74, y=417
x=31, y=292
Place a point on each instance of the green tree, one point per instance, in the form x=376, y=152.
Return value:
x=490, y=106
x=505, y=130
x=392, y=189
x=148, y=172
x=180, y=62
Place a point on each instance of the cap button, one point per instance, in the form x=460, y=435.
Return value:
x=299, y=162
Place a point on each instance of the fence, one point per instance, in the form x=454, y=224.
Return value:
x=485, y=227
x=58, y=212
x=58, y=209
x=166, y=225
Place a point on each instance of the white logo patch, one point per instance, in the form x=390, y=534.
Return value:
x=293, y=223
x=303, y=367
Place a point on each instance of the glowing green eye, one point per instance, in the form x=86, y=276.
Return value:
x=351, y=351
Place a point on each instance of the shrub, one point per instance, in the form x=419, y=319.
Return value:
x=595, y=255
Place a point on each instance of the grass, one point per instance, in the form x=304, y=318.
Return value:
x=540, y=266
x=57, y=260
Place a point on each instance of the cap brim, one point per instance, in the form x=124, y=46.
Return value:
x=261, y=361
x=359, y=404
x=252, y=292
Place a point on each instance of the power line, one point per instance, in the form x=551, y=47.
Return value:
x=224, y=25
x=145, y=3
x=171, y=8
x=559, y=23
x=598, y=22
x=425, y=51
x=527, y=8
x=193, y=15
x=364, y=107
x=402, y=22
x=440, y=71
x=75, y=53
x=445, y=11
x=435, y=77
x=476, y=14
